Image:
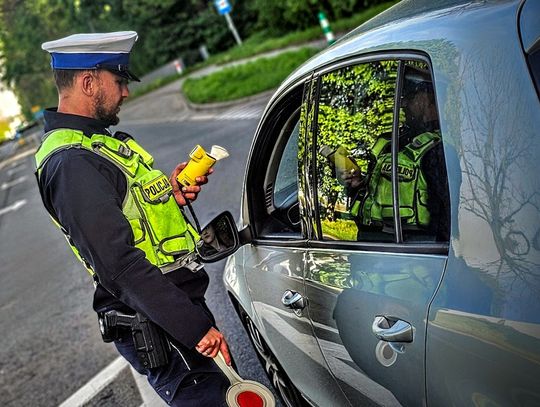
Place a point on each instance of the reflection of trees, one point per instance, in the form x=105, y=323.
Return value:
x=497, y=159
x=305, y=141
x=355, y=108
x=334, y=271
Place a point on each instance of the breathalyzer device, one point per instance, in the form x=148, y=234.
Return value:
x=199, y=164
x=340, y=159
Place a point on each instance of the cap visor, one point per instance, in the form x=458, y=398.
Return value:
x=125, y=74
x=132, y=77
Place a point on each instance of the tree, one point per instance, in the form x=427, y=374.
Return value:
x=167, y=29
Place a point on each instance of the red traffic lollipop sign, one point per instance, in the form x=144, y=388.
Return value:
x=244, y=393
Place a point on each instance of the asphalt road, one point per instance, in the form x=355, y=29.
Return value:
x=50, y=340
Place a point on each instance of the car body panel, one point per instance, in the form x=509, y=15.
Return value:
x=482, y=310
x=269, y=272
x=484, y=324
x=347, y=290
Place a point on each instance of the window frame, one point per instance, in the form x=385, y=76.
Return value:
x=398, y=246
x=268, y=148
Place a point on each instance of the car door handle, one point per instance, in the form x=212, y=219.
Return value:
x=293, y=300
x=392, y=330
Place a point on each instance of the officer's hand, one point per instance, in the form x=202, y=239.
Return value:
x=184, y=194
x=212, y=343
x=350, y=179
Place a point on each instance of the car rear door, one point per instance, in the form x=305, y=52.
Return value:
x=371, y=272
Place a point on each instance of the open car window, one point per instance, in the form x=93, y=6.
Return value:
x=273, y=175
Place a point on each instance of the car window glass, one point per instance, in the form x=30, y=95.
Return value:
x=273, y=175
x=354, y=125
x=423, y=187
x=354, y=157
x=305, y=159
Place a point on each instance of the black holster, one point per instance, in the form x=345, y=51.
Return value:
x=150, y=341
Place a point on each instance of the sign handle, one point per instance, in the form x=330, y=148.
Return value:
x=227, y=370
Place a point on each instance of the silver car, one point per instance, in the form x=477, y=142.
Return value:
x=389, y=245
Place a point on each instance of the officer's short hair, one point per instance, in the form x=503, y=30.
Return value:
x=64, y=78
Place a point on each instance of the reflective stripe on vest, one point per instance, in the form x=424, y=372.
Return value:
x=377, y=205
x=158, y=225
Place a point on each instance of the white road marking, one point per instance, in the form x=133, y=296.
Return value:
x=245, y=113
x=105, y=377
x=16, y=181
x=96, y=384
x=242, y=112
x=16, y=205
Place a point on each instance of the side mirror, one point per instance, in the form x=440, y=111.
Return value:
x=219, y=239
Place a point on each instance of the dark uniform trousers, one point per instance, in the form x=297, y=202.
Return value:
x=188, y=380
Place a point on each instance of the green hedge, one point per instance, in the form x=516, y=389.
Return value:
x=245, y=80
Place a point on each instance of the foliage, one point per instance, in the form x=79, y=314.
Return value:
x=245, y=80
x=22, y=60
x=263, y=41
x=286, y=15
x=340, y=229
x=4, y=130
x=355, y=109
x=167, y=29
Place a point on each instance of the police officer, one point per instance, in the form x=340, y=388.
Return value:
x=123, y=218
x=423, y=189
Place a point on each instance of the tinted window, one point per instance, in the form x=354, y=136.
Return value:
x=355, y=163
x=272, y=182
x=423, y=186
x=529, y=24
x=355, y=111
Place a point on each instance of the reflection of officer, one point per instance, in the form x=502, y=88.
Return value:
x=118, y=216
x=210, y=242
x=423, y=191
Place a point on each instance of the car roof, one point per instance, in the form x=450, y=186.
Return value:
x=408, y=25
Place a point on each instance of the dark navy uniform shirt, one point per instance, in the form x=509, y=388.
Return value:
x=84, y=192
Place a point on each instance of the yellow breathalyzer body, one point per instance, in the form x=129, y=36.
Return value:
x=199, y=165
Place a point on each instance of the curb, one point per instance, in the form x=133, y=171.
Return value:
x=18, y=156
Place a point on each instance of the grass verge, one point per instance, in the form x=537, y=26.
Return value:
x=259, y=43
x=245, y=80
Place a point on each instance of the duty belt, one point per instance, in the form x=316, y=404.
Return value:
x=189, y=261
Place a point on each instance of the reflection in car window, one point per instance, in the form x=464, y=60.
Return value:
x=354, y=159
x=354, y=120
x=423, y=187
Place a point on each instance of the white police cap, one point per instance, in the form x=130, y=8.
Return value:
x=94, y=51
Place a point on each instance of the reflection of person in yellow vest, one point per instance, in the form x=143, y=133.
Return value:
x=423, y=190
x=376, y=207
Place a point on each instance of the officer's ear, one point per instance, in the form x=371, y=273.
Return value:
x=88, y=82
